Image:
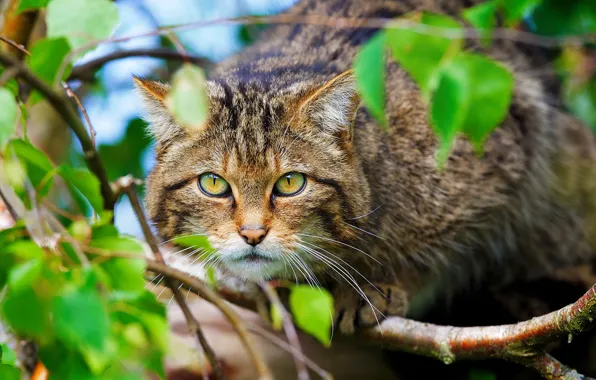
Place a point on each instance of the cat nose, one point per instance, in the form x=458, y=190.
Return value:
x=253, y=235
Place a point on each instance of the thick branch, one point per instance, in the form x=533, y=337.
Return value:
x=63, y=106
x=522, y=339
x=86, y=70
x=522, y=342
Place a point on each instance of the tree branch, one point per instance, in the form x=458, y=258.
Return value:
x=128, y=183
x=71, y=94
x=85, y=71
x=522, y=342
x=203, y=291
x=289, y=329
x=357, y=23
x=63, y=106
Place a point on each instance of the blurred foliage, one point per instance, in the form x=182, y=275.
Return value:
x=76, y=286
x=125, y=156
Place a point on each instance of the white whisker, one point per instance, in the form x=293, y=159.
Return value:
x=365, y=231
x=344, y=244
x=368, y=213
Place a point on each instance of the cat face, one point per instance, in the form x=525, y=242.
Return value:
x=265, y=178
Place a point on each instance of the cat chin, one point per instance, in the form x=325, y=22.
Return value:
x=255, y=270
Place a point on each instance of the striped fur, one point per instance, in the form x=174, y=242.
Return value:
x=288, y=103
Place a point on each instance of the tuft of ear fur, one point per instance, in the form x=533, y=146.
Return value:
x=332, y=107
x=162, y=125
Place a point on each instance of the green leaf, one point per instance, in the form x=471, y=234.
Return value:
x=7, y=355
x=45, y=60
x=8, y=115
x=125, y=274
x=581, y=100
x=104, y=231
x=26, y=313
x=187, y=100
x=483, y=18
x=9, y=372
x=276, y=317
x=369, y=69
x=422, y=54
x=24, y=275
x=211, y=278
x=63, y=363
x=126, y=156
x=491, y=89
x=565, y=18
x=473, y=97
x=24, y=249
x=81, y=21
x=118, y=244
x=86, y=183
x=312, y=309
x=515, y=10
x=195, y=241
x=448, y=109
x=28, y=5
x=38, y=165
x=80, y=319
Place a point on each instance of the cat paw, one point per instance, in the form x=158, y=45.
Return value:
x=353, y=312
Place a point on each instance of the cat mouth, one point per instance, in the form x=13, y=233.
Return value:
x=253, y=257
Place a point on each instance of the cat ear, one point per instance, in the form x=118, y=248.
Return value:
x=162, y=125
x=332, y=107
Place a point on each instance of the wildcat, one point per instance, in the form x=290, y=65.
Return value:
x=292, y=178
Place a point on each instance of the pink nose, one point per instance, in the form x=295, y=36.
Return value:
x=252, y=235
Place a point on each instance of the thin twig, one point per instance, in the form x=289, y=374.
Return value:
x=62, y=105
x=15, y=45
x=9, y=207
x=85, y=71
x=17, y=27
x=70, y=93
x=523, y=342
x=293, y=350
x=191, y=321
x=179, y=46
x=349, y=23
x=209, y=295
x=550, y=368
x=289, y=329
x=8, y=75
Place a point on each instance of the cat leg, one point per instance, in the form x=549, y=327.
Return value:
x=353, y=311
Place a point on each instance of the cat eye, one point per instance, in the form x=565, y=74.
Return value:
x=213, y=185
x=289, y=184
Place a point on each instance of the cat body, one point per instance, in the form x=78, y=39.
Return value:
x=376, y=220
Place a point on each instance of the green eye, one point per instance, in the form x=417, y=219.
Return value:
x=213, y=185
x=290, y=184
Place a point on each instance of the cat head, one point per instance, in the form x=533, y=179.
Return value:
x=270, y=175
